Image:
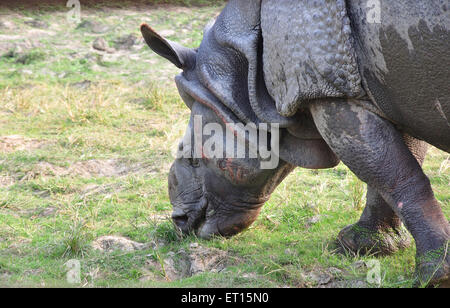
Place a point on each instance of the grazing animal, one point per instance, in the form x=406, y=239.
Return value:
x=343, y=81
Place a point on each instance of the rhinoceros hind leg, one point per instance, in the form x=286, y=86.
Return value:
x=377, y=153
x=380, y=231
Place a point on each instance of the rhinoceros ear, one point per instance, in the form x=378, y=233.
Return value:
x=182, y=57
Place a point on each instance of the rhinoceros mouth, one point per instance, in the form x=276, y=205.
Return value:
x=181, y=221
x=188, y=221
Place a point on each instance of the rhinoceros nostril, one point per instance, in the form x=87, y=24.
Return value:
x=180, y=220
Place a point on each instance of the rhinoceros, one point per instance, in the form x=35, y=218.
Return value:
x=357, y=81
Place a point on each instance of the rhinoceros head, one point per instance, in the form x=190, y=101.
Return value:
x=213, y=192
x=217, y=195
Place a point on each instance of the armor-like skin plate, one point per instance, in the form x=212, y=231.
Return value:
x=308, y=52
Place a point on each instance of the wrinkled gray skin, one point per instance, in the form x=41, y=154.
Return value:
x=341, y=88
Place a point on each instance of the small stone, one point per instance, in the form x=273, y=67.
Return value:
x=83, y=85
x=320, y=278
x=334, y=271
x=359, y=264
x=204, y=259
x=100, y=44
x=47, y=212
x=36, y=23
x=93, y=26
x=193, y=245
x=126, y=41
x=359, y=284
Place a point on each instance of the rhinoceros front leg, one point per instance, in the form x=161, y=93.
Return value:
x=376, y=152
x=380, y=231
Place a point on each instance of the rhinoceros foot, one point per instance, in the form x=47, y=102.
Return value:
x=363, y=241
x=433, y=268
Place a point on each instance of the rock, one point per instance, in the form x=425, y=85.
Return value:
x=11, y=47
x=169, y=272
x=36, y=23
x=111, y=243
x=93, y=26
x=320, y=278
x=358, y=284
x=184, y=264
x=203, y=259
x=335, y=271
x=194, y=245
x=82, y=85
x=126, y=41
x=49, y=211
x=102, y=45
x=359, y=264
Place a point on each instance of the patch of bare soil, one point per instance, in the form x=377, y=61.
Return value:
x=332, y=278
x=14, y=143
x=86, y=169
x=198, y=259
x=111, y=243
x=109, y=167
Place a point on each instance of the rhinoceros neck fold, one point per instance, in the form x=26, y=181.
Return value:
x=229, y=64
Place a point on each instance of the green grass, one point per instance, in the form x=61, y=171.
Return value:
x=131, y=114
